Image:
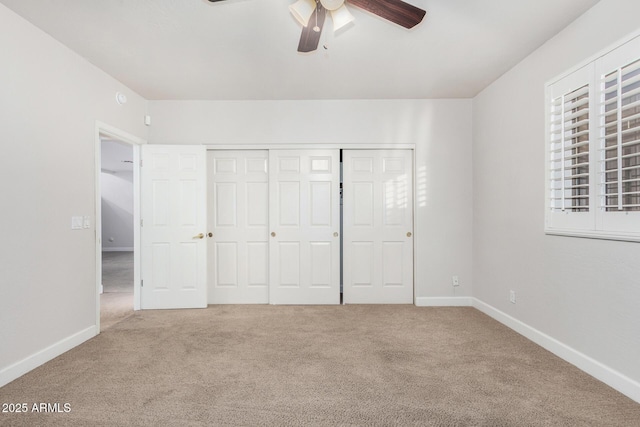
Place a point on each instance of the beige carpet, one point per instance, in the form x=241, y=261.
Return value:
x=340, y=365
x=115, y=307
x=116, y=303
x=117, y=271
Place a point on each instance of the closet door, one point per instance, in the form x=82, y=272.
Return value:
x=378, y=226
x=238, y=214
x=304, y=215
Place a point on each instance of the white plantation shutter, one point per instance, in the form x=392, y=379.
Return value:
x=593, y=148
x=569, y=151
x=620, y=145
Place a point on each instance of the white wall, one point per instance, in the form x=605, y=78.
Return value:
x=440, y=129
x=50, y=99
x=117, y=210
x=584, y=293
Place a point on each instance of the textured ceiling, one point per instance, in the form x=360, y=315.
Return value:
x=246, y=49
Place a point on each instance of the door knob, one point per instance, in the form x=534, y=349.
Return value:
x=335, y=234
x=210, y=234
x=273, y=234
x=199, y=236
x=409, y=234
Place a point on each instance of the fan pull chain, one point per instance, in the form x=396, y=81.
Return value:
x=316, y=28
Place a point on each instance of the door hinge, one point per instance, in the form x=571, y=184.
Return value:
x=141, y=283
x=140, y=162
x=142, y=223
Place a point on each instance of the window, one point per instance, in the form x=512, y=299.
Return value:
x=593, y=147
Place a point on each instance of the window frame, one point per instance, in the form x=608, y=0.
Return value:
x=597, y=222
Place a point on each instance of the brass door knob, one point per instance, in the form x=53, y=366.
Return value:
x=335, y=234
x=199, y=236
x=273, y=234
x=409, y=234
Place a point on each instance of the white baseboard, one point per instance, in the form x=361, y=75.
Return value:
x=598, y=370
x=20, y=368
x=444, y=301
x=117, y=249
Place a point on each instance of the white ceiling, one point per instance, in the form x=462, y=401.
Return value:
x=246, y=49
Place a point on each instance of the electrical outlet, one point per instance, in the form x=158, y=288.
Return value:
x=512, y=297
x=455, y=281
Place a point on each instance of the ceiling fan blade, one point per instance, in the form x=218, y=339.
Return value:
x=310, y=37
x=396, y=11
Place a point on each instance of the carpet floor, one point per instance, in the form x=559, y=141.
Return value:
x=116, y=301
x=317, y=365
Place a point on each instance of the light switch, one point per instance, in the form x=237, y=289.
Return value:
x=76, y=223
x=86, y=222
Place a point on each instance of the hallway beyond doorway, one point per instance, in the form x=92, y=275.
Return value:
x=116, y=303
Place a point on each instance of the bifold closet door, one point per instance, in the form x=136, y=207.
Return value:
x=378, y=226
x=174, y=252
x=238, y=211
x=304, y=215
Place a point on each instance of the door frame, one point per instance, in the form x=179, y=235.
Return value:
x=346, y=146
x=105, y=130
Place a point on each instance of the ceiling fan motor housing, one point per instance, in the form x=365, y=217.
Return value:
x=331, y=4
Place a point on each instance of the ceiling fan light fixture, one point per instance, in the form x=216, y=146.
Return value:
x=302, y=10
x=341, y=17
x=332, y=4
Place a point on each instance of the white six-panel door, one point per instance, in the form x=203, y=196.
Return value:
x=304, y=215
x=378, y=226
x=238, y=219
x=173, y=188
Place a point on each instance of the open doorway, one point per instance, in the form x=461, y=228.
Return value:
x=117, y=213
x=117, y=230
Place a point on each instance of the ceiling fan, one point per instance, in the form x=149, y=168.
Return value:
x=312, y=13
